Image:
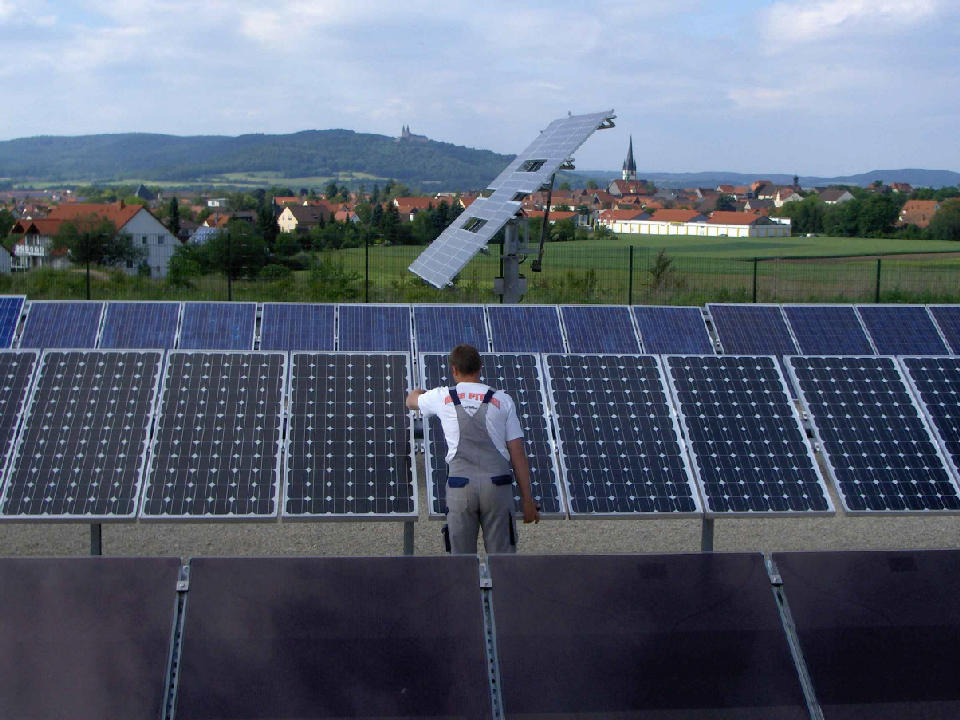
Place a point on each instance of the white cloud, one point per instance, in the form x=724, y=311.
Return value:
x=790, y=23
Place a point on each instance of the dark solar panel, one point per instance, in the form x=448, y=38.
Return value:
x=879, y=631
x=297, y=326
x=80, y=453
x=750, y=452
x=69, y=324
x=752, y=329
x=937, y=382
x=665, y=330
x=947, y=318
x=874, y=438
x=216, y=450
x=374, y=327
x=218, y=326
x=518, y=375
x=599, y=329
x=16, y=372
x=642, y=636
x=440, y=328
x=620, y=447
x=140, y=325
x=349, y=439
x=11, y=306
x=525, y=328
x=828, y=330
x=902, y=330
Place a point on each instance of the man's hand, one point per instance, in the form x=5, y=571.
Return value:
x=413, y=399
x=531, y=512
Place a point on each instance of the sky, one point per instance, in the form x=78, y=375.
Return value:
x=815, y=87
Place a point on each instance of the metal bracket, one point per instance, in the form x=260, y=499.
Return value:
x=183, y=582
x=486, y=582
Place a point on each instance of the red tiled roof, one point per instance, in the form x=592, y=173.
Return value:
x=117, y=213
x=619, y=215
x=918, y=212
x=728, y=217
x=675, y=215
x=285, y=199
x=406, y=204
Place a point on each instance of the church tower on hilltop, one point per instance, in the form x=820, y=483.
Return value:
x=629, y=166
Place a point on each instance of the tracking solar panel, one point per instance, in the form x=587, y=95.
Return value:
x=440, y=328
x=217, y=446
x=16, y=374
x=140, y=325
x=218, y=326
x=678, y=330
x=828, y=330
x=752, y=329
x=947, y=318
x=80, y=454
x=11, y=306
x=874, y=438
x=525, y=328
x=619, y=441
x=67, y=324
x=297, y=326
x=373, y=327
x=349, y=444
x=902, y=330
x=937, y=384
x=599, y=329
x=749, y=450
x=518, y=375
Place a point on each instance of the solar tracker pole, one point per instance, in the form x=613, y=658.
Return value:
x=706, y=535
x=876, y=296
x=229, y=271
x=630, y=278
x=513, y=286
x=96, y=539
x=408, y=537
x=366, y=267
x=755, y=261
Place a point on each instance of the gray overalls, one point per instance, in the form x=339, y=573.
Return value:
x=479, y=487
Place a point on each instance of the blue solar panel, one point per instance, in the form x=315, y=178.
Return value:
x=902, y=330
x=620, y=446
x=374, y=327
x=525, y=328
x=440, y=328
x=218, y=326
x=677, y=330
x=948, y=319
x=874, y=438
x=54, y=324
x=750, y=452
x=16, y=373
x=297, y=326
x=937, y=380
x=599, y=329
x=518, y=375
x=752, y=330
x=140, y=325
x=10, y=308
x=828, y=330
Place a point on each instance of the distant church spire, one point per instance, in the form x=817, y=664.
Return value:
x=629, y=166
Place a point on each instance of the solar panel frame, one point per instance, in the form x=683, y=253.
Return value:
x=105, y=325
x=411, y=449
x=31, y=316
x=947, y=320
x=732, y=346
x=683, y=451
x=695, y=462
x=652, y=345
x=571, y=315
x=894, y=345
x=241, y=307
x=138, y=484
x=143, y=516
x=7, y=448
x=500, y=348
x=267, y=322
x=828, y=460
x=349, y=346
x=11, y=308
x=421, y=331
x=822, y=306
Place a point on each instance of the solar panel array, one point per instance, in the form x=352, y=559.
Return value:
x=750, y=452
x=140, y=325
x=218, y=326
x=297, y=326
x=619, y=442
x=68, y=324
x=518, y=375
x=947, y=318
x=599, y=329
x=216, y=451
x=525, y=328
x=873, y=436
x=937, y=384
x=752, y=330
x=374, y=327
x=440, y=328
x=902, y=330
x=679, y=330
x=349, y=441
x=828, y=330
x=80, y=453
x=16, y=373
x=11, y=306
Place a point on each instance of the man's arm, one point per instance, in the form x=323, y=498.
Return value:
x=521, y=471
x=413, y=399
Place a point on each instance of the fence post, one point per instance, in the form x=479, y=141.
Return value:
x=229, y=270
x=366, y=267
x=876, y=296
x=630, y=282
x=755, y=261
x=88, y=279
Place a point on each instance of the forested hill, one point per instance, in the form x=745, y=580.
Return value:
x=309, y=154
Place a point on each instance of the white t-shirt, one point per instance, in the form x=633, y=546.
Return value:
x=503, y=424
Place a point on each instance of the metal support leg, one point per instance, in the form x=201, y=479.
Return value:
x=96, y=539
x=706, y=535
x=408, y=537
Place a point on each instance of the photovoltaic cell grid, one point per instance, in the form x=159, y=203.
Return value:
x=873, y=436
x=750, y=452
x=62, y=325
x=140, y=325
x=619, y=440
x=16, y=372
x=677, y=330
x=518, y=375
x=216, y=449
x=525, y=328
x=902, y=330
x=948, y=319
x=752, y=330
x=297, y=326
x=10, y=308
x=440, y=328
x=81, y=451
x=349, y=445
x=599, y=329
x=218, y=326
x=828, y=330
x=937, y=381
x=374, y=327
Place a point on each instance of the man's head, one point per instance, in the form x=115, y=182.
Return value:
x=465, y=362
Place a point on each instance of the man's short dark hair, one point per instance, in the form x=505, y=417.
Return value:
x=465, y=359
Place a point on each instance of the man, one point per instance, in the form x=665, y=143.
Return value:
x=484, y=440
